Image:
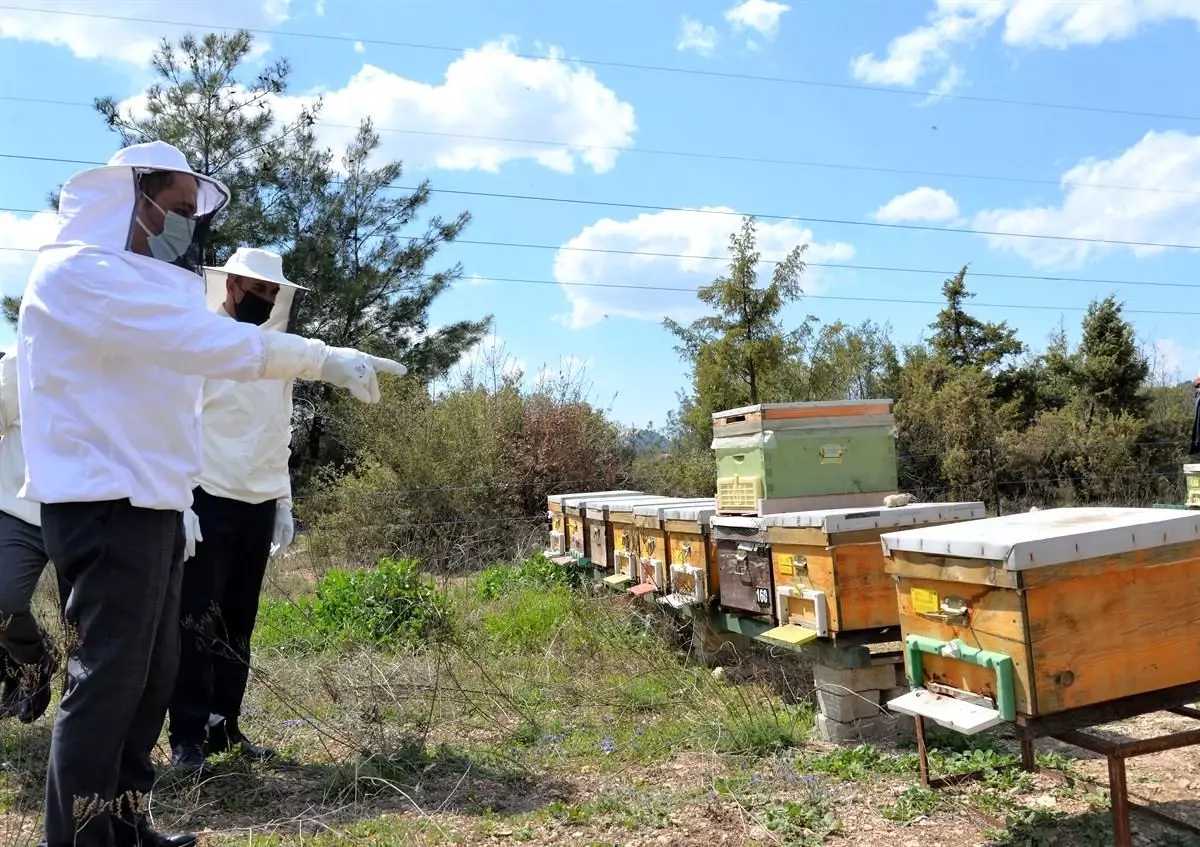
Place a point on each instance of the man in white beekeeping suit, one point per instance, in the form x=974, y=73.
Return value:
x=243, y=508
x=30, y=661
x=113, y=344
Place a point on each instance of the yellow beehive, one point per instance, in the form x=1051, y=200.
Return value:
x=693, y=554
x=652, y=554
x=558, y=526
x=827, y=566
x=575, y=519
x=1042, y=612
x=614, y=538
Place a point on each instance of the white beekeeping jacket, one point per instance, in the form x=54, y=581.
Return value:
x=247, y=426
x=112, y=347
x=12, y=456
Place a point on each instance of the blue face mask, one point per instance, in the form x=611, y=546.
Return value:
x=176, y=243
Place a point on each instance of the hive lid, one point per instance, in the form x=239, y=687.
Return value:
x=659, y=510
x=737, y=521
x=561, y=499
x=697, y=513
x=624, y=504
x=1191, y=468
x=818, y=409
x=576, y=505
x=855, y=519
x=631, y=505
x=1050, y=537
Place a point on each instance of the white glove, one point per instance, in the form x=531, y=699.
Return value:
x=285, y=529
x=357, y=372
x=191, y=533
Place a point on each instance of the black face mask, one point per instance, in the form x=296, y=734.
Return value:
x=252, y=309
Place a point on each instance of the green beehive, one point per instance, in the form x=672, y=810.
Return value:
x=782, y=457
x=1191, y=473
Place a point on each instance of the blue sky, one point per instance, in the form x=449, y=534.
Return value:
x=737, y=131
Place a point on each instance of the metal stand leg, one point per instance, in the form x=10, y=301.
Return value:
x=1119, y=798
x=922, y=752
x=1028, y=756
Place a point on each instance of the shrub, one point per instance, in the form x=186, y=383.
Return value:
x=536, y=571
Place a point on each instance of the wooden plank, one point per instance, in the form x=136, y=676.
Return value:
x=1114, y=633
x=865, y=593
x=646, y=522
x=807, y=412
x=996, y=622
x=949, y=569
x=1135, y=560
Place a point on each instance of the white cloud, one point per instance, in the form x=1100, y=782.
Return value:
x=920, y=204
x=1167, y=163
x=1172, y=362
x=570, y=369
x=762, y=16
x=320, y=8
x=475, y=280
x=128, y=41
x=360, y=48
x=929, y=48
x=703, y=232
x=486, y=92
x=697, y=36
x=26, y=233
x=490, y=357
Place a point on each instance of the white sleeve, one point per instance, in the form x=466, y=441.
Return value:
x=10, y=410
x=133, y=315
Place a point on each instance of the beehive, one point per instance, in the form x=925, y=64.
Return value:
x=828, y=571
x=620, y=537
x=574, y=518
x=1191, y=475
x=558, y=526
x=693, y=555
x=782, y=457
x=653, y=552
x=743, y=565
x=597, y=530
x=1046, y=611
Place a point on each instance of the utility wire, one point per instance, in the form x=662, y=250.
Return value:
x=692, y=154
x=663, y=69
x=648, y=207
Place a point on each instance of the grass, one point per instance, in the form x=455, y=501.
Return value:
x=523, y=708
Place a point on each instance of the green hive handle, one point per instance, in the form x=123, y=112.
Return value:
x=918, y=645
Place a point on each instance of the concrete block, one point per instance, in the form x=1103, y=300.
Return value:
x=887, y=696
x=844, y=706
x=881, y=728
x=843, y=680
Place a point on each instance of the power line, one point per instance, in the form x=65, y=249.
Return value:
x=691, y=154
x=650, y=207
x=666, y=69
x=663, y=255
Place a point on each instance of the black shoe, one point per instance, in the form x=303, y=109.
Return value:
x=35, y=681
x=10, y=699
x=226, y=735
x=143, y=835
x=189, y=759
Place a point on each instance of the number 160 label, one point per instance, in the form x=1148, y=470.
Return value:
x=762, y=596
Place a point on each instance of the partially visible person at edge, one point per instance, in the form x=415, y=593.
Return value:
x=113, y=344
x=243, y=515
x=30, y=659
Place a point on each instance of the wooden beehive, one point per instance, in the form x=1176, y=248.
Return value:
x=693, y=555
x=653, y=551
x=743, y=565
x=598, y=531
x=620, y=535
x=1191, y=476
x=1046, y=611
x=783, y=457
x=575, y=512
x=827, y=566
x=558, y=526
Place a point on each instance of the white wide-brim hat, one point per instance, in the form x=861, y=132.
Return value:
x=255, y=263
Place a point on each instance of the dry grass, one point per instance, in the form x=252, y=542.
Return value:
x=552, y=716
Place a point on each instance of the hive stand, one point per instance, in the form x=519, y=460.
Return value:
x=1070, y=728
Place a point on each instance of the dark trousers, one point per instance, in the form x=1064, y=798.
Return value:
x=22, y=560
x=221, y=585
x=124, y=565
